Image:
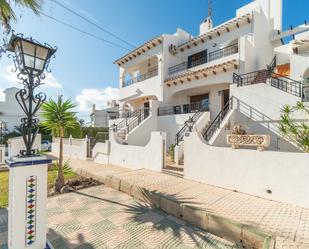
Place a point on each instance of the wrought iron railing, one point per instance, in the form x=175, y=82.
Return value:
x=286, y=84
x=271, y=67
x=305, y=93
x=181, y=133
x=220, y=53
x=130, y=122
x=215, y=125
x=251, y=78
x=182, y=109
x=151, y=73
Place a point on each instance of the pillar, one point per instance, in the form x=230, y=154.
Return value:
x=27, y=202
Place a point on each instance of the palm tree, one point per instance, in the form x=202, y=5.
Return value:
x=59, y=117
x=296, y=130
x=7, y=14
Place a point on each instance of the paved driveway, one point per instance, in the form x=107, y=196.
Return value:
x=101, y=217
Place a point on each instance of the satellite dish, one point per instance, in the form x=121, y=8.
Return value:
x=173, y=49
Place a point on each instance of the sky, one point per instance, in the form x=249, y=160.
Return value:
x=83, y=68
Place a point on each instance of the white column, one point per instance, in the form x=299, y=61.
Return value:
x=27, y=203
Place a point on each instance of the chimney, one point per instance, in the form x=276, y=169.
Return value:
x=205, y=26
x=93, y=108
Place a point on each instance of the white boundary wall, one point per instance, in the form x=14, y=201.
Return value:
x=151, y=156
x=72, y=147
x=285, y=174
x=2, y=154
x=17, y=143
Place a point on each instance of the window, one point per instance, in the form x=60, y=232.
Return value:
x=197, y=59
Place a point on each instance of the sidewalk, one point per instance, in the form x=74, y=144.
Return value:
x=288, y=224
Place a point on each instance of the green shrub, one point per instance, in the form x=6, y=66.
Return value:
x=171, y=152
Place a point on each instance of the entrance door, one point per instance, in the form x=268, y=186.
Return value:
x=225, y=97
x=146, y=109
x=200, y=101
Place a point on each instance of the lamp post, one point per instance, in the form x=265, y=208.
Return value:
x=31, y=59
x=28, y=171
x=190, y=123
x=2, y=130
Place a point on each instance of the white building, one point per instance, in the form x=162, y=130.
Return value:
x=100, y=118
x=174, y=76
x=10, y=111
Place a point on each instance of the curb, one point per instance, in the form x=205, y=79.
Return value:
x=244, y=235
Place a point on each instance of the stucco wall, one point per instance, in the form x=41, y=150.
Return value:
x=284, y=174
x=72, y=147
x=151, y=156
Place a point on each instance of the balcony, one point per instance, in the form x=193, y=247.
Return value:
x=183, y=109
x=220, y=53
x=151, y=73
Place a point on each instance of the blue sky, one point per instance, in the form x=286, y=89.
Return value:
x=83, y=69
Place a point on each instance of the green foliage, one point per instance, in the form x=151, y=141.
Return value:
x=295, y=130
x=7, y=13
x=171, y=152
x=93, y=131
x=58, y=117
x=67, y=170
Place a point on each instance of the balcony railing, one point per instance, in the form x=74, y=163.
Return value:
x=182, y=109
x=220, y=53
x=151, y=73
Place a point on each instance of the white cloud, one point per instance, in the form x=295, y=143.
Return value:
x=100, y=98
x=49, y=82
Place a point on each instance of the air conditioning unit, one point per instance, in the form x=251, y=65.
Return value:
x=173, y=49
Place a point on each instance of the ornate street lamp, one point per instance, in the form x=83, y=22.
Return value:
x=190, y=123
x=31, y=59
x=2, y=130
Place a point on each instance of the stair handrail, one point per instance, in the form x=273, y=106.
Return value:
x=237, y=79
x=215, y=124
x=180, y=134
x=122, y=124
x=272, y=65
x=139, y=118
x=295, y=86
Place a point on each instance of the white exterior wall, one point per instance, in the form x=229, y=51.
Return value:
x=2, y=154
x=249, y=171
x=72, y=147
x=151, y=156
x=17, y=143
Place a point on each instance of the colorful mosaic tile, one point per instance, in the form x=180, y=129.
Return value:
x=31, y=210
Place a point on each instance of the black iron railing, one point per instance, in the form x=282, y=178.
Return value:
x=305, y=93
x=286, y=84
x=251, y=78
x=220, y=53
x=181, y=133
x=215, y=125
x=271, y=67
x=131, y=121
x=151, y=73
x=182, y=109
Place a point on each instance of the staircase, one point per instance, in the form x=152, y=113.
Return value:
x=131, y=121
x=180, y=134
x=214, y=126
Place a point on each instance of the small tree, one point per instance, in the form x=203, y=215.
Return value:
x=296, y=130
x=58, y=117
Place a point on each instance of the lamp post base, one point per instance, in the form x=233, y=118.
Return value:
x=27, y=224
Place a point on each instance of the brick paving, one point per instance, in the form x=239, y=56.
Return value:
x=288, y=223
x=100, y=217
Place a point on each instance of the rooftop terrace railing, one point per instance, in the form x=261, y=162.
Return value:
x=220, y=53
x=151, y=73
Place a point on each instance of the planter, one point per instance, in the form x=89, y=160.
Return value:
x=259, y=141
